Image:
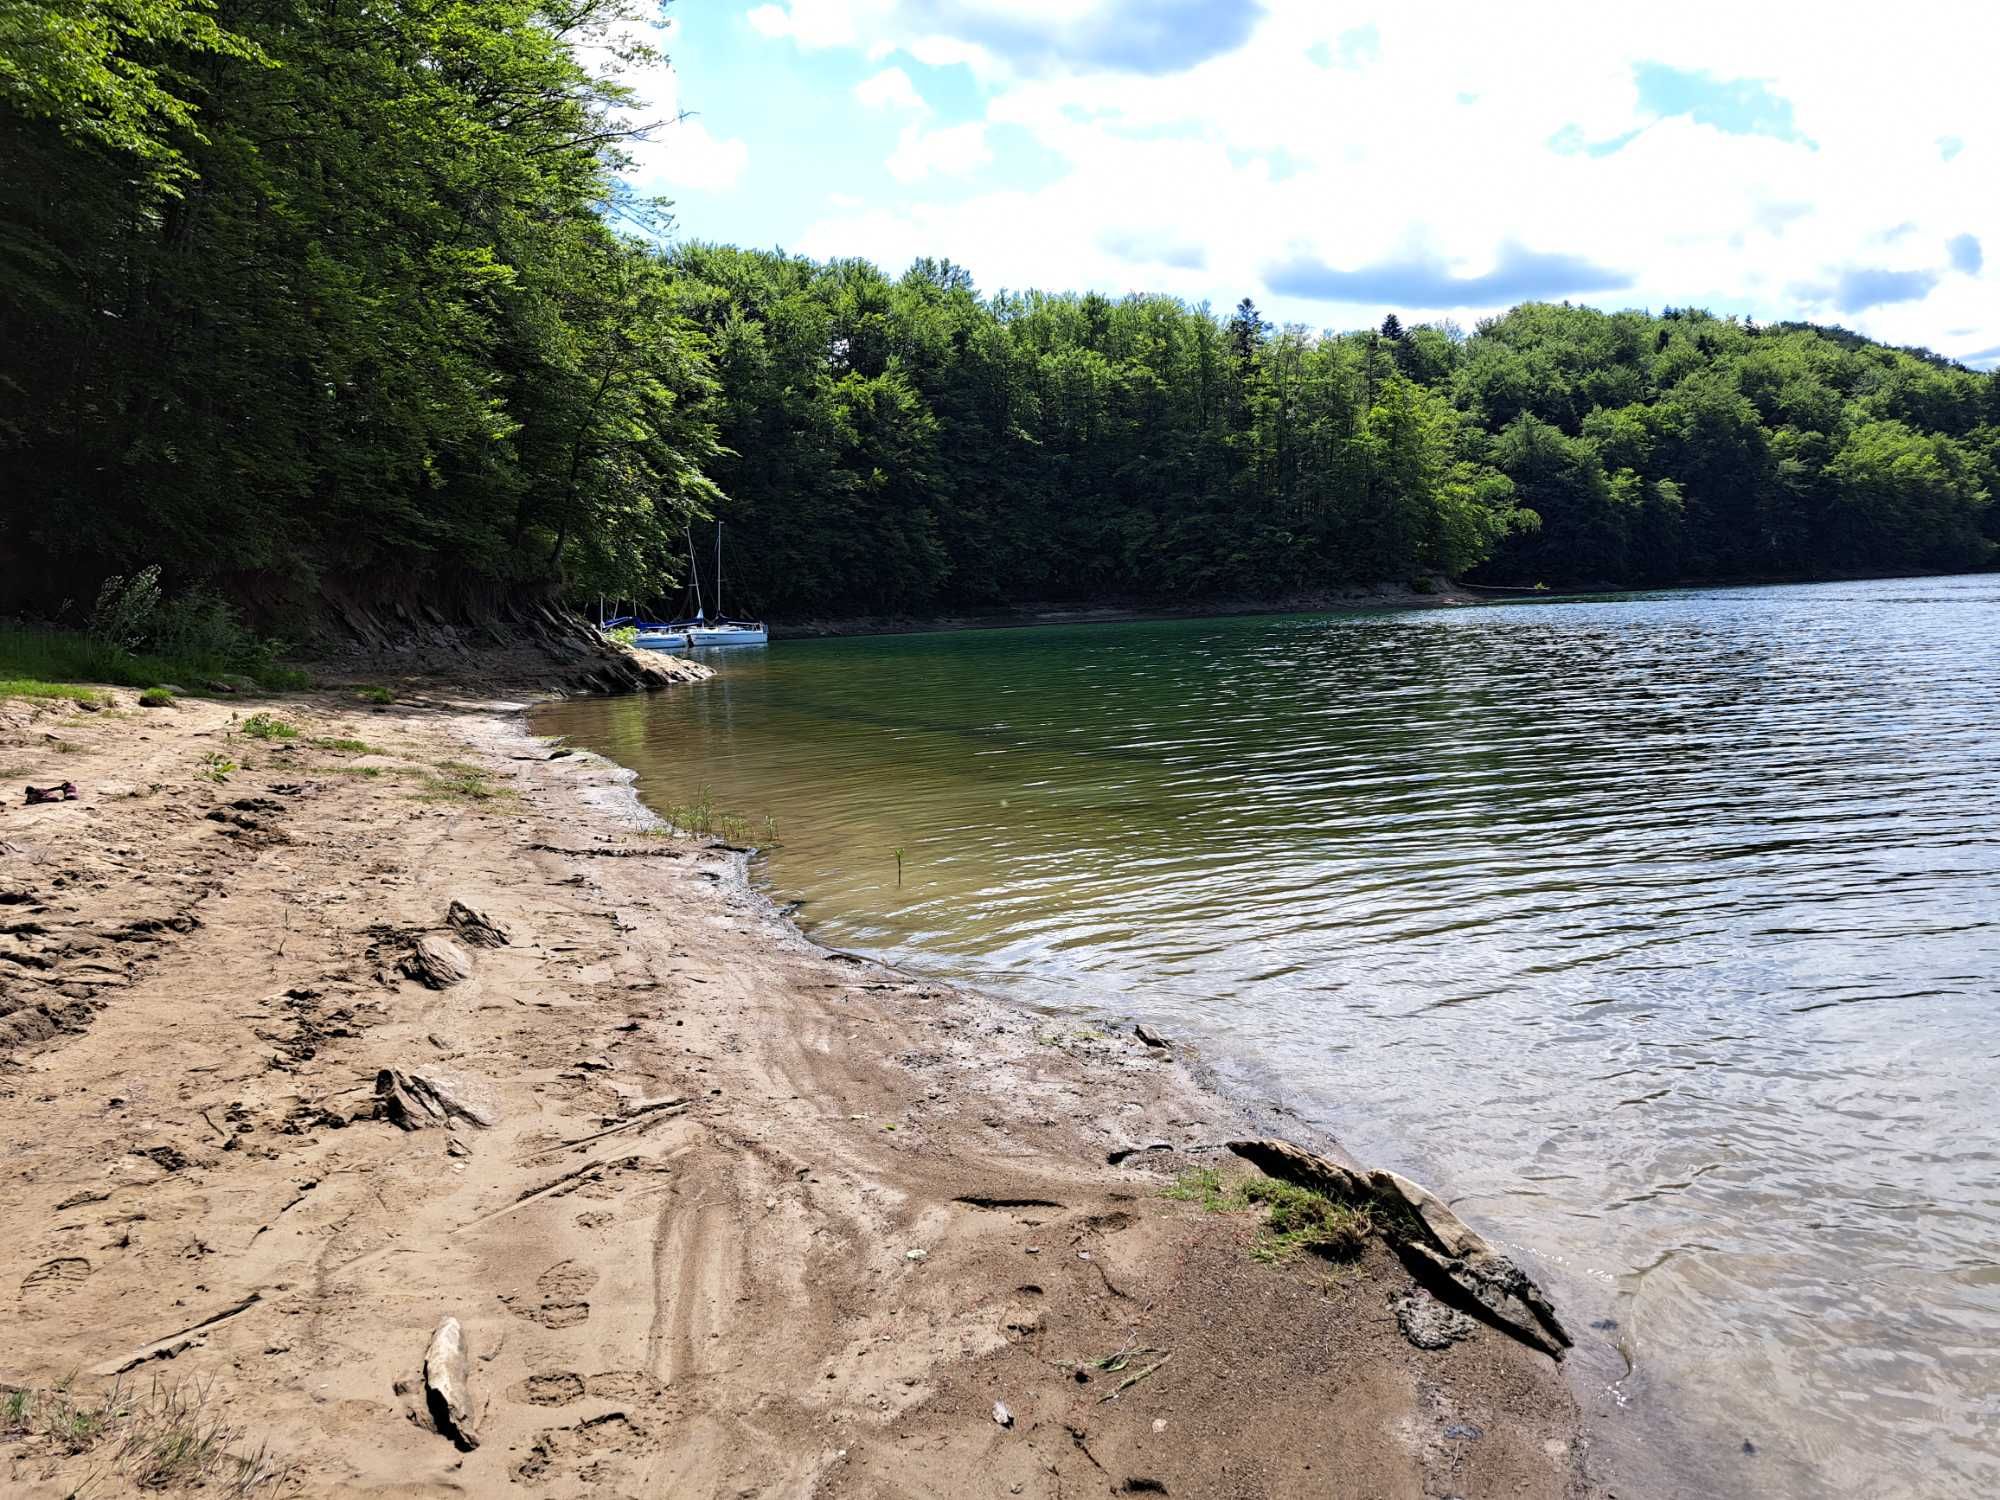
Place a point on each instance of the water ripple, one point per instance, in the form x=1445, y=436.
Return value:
x=1661, y=929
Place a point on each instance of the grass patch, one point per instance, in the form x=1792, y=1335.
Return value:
x=58, y=692
x=1295, y=1218
x=169, y=1438
x=375, y=695
x=458, y=783
x=57, y=664
x=156, y=697
x=701, y=818
x=269, y=727
x=216, y=767
x=347, y=747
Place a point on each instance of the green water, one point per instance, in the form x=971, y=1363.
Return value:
x=1658, y=932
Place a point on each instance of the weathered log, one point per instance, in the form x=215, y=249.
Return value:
x=416, y=1101
x=1437, y=1246
x=448, y=1384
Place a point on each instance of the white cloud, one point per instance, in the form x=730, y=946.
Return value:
x=1434, y=149
x=685, y=154
x=890, y=89
x=952, y=151
x=816, y=24
x=682, y=152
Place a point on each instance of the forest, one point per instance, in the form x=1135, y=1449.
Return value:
x=310, y=294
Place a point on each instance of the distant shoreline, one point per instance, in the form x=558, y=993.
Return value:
x=1445, y=595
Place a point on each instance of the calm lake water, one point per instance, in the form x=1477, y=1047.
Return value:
x=1657, y=932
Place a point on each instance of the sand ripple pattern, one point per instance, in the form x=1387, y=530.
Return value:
x=1660, y=931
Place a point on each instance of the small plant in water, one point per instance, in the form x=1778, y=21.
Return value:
x=157, y=697
x=898, y=851
x=216, y=767
x=697, y=816
x=375, y=695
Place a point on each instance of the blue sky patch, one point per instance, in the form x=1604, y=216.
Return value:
x=1518, y=275
x=1569, y=141
x=1965, y=253
x=1859, y=288
x=1735, y=106
x=1125, y=36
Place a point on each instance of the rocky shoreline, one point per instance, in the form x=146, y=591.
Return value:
x=450, y=1130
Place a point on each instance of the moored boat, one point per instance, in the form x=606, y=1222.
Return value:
x=721, y=631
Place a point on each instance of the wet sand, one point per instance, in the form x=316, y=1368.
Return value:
x=718, y=1212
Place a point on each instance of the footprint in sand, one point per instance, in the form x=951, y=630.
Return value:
x=565, y=1281
x=562, y=1287
x=624, y=1385
x=52, y=1278
x=557, y=1389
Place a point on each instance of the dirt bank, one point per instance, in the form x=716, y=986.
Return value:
x=717, y=1213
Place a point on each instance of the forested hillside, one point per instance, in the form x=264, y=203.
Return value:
x=295, y=292
x=902, y=444
x=292, y=288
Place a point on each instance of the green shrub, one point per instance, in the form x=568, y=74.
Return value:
x=156, y=697
x=268, y=727
x=375, y=695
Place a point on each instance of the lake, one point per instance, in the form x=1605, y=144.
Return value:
x=1657, y=932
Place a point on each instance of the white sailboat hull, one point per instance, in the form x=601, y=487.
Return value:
x=727, y=635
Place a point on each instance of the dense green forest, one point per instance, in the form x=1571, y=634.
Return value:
x=296, y=293
x=293, y=289
x=902, y=444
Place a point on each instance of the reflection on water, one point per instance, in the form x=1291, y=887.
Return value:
x=1657, y=932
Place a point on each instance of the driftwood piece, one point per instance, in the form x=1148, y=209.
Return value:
x=448, y=1384
x=474, y=926
x=420, y=1101
x=1439, y=1248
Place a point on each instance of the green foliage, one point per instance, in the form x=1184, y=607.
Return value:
x=216, y=767
x=66, y=692
x=376, y=695
x=56, y=660
x=298, y=294
x=624, y=635
x=268, y=727
x=906, y=445
x=298, y=291
x=348, y=747
x=157, y=697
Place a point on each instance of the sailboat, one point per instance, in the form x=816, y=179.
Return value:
x=720, y=631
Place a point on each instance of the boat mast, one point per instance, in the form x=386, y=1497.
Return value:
x=718, y=570
x=694, y=573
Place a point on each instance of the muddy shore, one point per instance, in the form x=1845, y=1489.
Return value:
x=716, y=1212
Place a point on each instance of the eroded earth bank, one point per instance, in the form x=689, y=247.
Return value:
x=312, y=1046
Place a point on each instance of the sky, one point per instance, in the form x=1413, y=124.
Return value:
x=1339, y=161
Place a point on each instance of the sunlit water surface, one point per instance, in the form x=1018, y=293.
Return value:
x=1657, y=932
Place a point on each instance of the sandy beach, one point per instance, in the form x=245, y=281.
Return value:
x=310, y=1044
